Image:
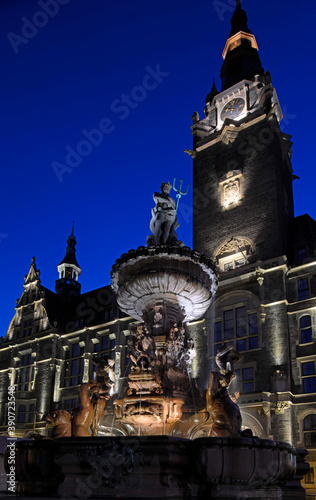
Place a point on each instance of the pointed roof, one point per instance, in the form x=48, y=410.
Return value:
x=33, y=274
x=241, y=58
x=210, y=96
x=70, y=257
x=239, y=21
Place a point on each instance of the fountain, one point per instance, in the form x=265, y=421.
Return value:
x=168, y=440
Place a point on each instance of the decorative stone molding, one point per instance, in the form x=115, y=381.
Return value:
x=280, y=406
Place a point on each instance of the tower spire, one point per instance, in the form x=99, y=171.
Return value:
x=69, y=269
x=241, y=58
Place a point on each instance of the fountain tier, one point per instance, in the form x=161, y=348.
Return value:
x=162, y=285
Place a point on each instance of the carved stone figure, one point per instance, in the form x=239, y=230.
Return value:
x=59, y=421
x=90, y=412
x=224, y=412
x=142, y=348
x=144, y=377
x=164, y=222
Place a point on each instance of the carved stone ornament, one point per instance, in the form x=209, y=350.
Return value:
x=280, y=407
x=235, y=245
x=231, y=192
x=111, y=462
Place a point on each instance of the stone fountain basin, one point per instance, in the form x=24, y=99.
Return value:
x=156, y=467
x=180, y=280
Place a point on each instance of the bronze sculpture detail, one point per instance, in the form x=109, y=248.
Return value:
x=224, y=412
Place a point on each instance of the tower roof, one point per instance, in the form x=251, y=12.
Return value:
x=239, y=21
x=70, y=256
x=241, y=58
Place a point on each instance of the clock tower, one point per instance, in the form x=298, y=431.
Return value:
x=243, y=200
x=243, y=218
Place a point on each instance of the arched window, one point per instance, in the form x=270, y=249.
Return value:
x=305, y=329
x=21, y=414
x=310, y=430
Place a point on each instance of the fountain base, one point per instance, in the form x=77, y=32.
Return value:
x=160, y=467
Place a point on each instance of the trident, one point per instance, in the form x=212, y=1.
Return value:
x=178, y=191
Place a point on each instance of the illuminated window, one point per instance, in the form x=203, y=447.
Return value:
x=303, y=289
x=308, y=377
x=245, y=376
x=25, y=373
x=305, y=330
x=310, y=430
x=74, y=365
x=239, y=328
x=21, y=414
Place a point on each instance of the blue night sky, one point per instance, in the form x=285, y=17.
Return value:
x=73, y=73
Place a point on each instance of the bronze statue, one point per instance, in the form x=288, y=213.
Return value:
x=59, y=421
x=224, y=412
x=88, y=417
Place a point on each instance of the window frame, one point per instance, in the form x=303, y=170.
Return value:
x=237, y=338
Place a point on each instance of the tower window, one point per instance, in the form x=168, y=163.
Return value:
x=238, y=328
x=303, y=289
x=310, y=430
x=308, y=377
x=305, y=330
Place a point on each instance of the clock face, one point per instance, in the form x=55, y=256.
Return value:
x=233, y=108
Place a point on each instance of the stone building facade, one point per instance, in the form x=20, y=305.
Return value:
x=243, y=218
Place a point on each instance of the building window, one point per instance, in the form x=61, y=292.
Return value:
x=239, y=328
x=303, y=289
x=31, y=413
x=73, y=365
x=308, y=377
x=305, y=329
x=69, y=404
x=245, y=377
x=310, y=431
x=25, y=373
x=301, y=254
x=109, y=314
x=21, y=414
x=103, y=348
x=27, y=327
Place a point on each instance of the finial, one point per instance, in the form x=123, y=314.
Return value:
x=73, y=227
x=238, y=4
x=33, y=260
